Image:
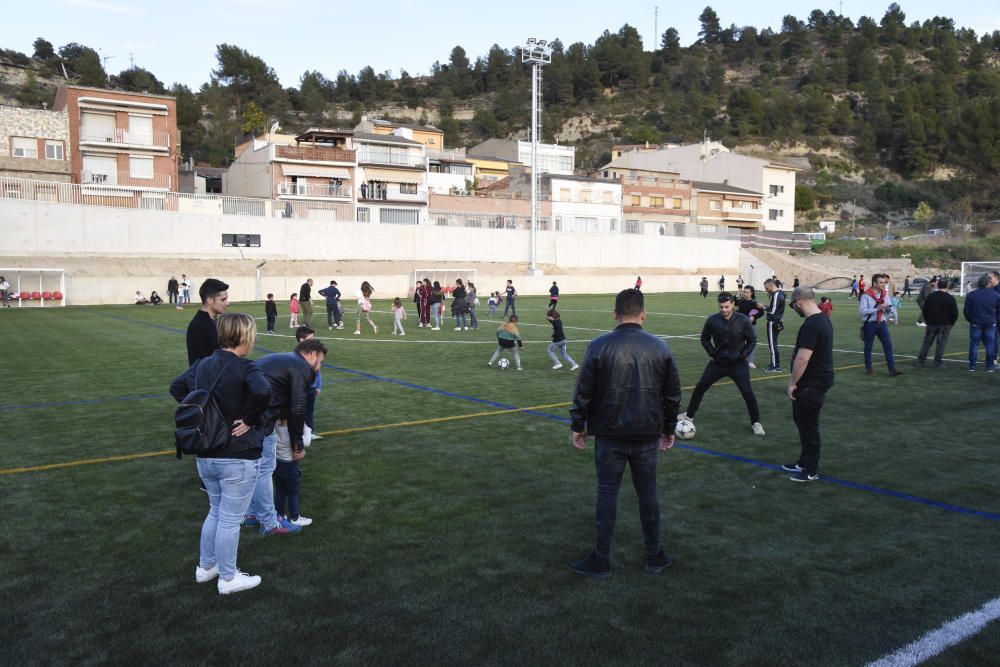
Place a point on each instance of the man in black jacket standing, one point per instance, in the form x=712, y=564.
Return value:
x=627, y=396
x=940, y=312
x=775, y=323
x=729, y=338
x=202, y=336
x=290, y=375
x=305, y=301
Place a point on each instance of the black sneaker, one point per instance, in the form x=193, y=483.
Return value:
x=792, y=467
x=803, y=476
x=592, y=567
x=658, y=563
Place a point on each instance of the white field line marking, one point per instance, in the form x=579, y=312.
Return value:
x=948, y=635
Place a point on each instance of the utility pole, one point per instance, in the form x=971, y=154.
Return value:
x=656, y=28
x=131, y=60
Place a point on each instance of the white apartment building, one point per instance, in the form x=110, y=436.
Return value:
x=552, y=158
x=584, y=205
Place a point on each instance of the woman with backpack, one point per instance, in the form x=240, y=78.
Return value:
x=229, y=470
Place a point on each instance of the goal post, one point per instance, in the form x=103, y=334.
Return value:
x=971, y=271
x=36, y=287
x=446, y=277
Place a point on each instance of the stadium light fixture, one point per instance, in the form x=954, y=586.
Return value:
x=537, y=53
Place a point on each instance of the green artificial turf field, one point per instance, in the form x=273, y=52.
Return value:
x=445, y=522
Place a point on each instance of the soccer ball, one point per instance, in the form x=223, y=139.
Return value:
x=503, y=364
x=685, y=429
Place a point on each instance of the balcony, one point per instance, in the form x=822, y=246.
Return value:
x=288, y=188
x=392, y=194
x=126, y=179
x=392, y=159
x=741, y=213
x=314, y=154
x=127, y=138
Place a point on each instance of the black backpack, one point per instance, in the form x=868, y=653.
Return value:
x=199, y=425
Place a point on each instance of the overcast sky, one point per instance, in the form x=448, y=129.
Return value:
x=176, y=40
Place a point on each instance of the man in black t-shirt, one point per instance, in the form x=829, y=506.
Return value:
x=202, y=336
x=811, y=378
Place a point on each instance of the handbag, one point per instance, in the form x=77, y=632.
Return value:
x=199, y=425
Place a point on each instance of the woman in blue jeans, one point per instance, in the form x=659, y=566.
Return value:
x=230, y=472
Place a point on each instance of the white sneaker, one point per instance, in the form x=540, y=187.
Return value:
x=301, y=521
x=757, y=428
x=921, y=324
x=458, y=328
x=203, y=576
x=751, y=364
x=465, y=328
x=402, y=333
x=357, y=333
x=241, y=582
x=574, y=367
x=374, y=329
x=685, y=416
x=557, y=367
x=435, y=328
x=330, y=328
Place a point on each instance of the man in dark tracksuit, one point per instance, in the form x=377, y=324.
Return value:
x=940, y=312
x=775, y=315
x=729, y=338
x=333, y=312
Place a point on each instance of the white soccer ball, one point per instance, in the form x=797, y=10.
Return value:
x=503, y=364
x=685, y=429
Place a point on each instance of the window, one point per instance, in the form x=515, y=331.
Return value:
x=716, y=205
x=564, y=194
x=441, y=222
x=775, y=213
x=636, y=200
x=558, y=223
x=585, y=196
x=707, y=229
x=53, y=150
x=678, y=202
x=140, y=130
x=22, y=147
x=473, y=222
x=656, y=202
x=153, y=202
x=140, y=167
x=398, y=216
x=632, y=226
x=775, y=189
x=97, y=127
x=407, y=188
x=614, y=224
x=607, y=197
x=364, y=214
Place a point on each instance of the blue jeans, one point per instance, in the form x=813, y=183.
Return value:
x=262, y=505
x=610, y=458
x=989, y=338
x=878, y=330
x=286, y=488
x=473, y=320
x=561, y=348
x=460, y=320
x=230, y=484
x=509, y=306
x=436, y=314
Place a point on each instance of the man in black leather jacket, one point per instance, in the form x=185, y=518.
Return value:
x=627, y=396
x=729, y=338
x=290, y=375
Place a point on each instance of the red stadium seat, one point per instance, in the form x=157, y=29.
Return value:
x=57, y=296
x=36, y=295
x=25, y=295
x=46, y=295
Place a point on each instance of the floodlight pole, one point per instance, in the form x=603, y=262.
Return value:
x=538, y=53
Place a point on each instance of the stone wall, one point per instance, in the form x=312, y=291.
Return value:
x=38, y=123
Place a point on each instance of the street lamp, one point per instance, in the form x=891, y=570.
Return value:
x=538, y=53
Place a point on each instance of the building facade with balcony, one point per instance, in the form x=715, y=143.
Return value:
x=448, y=172
x=655, y=203
x=121, y=139
x=552, y=158
x=710, y=161
x=392, y=179
x=431, y=137
x=34, y=144
x=310, y=176
x=725, y=210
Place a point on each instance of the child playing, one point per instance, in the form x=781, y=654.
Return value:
x=398, y=315
x=896, y=303
x=271, y=310
x=493, y=303
x=507, y=336
x=826, y=306
x=364, y=307
x=558, y=342
x=293, y=309
x=287, y=475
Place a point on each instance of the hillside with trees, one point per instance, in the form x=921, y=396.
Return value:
x=890, y=114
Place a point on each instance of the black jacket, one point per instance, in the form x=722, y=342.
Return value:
x=242, y=393
x=776, y=309
x=628, y=387
x=940, y=310
x=305, y=292
x=290, y=377
x=202, y=337
x=731, y=341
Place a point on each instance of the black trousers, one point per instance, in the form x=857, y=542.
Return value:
x=772, y=342
x=738, y=373
x=805, y=413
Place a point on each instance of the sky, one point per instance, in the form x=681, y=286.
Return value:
x=177, y=40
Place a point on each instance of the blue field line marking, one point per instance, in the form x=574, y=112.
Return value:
x=701, y=450
x=851, y=485
x=154, y=325
x=85, y=401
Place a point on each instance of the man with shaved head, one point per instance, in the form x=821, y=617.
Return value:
x=811, y=378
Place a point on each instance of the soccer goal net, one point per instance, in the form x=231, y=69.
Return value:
x=971, y=272
x=446, y=277
x=35, y=287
